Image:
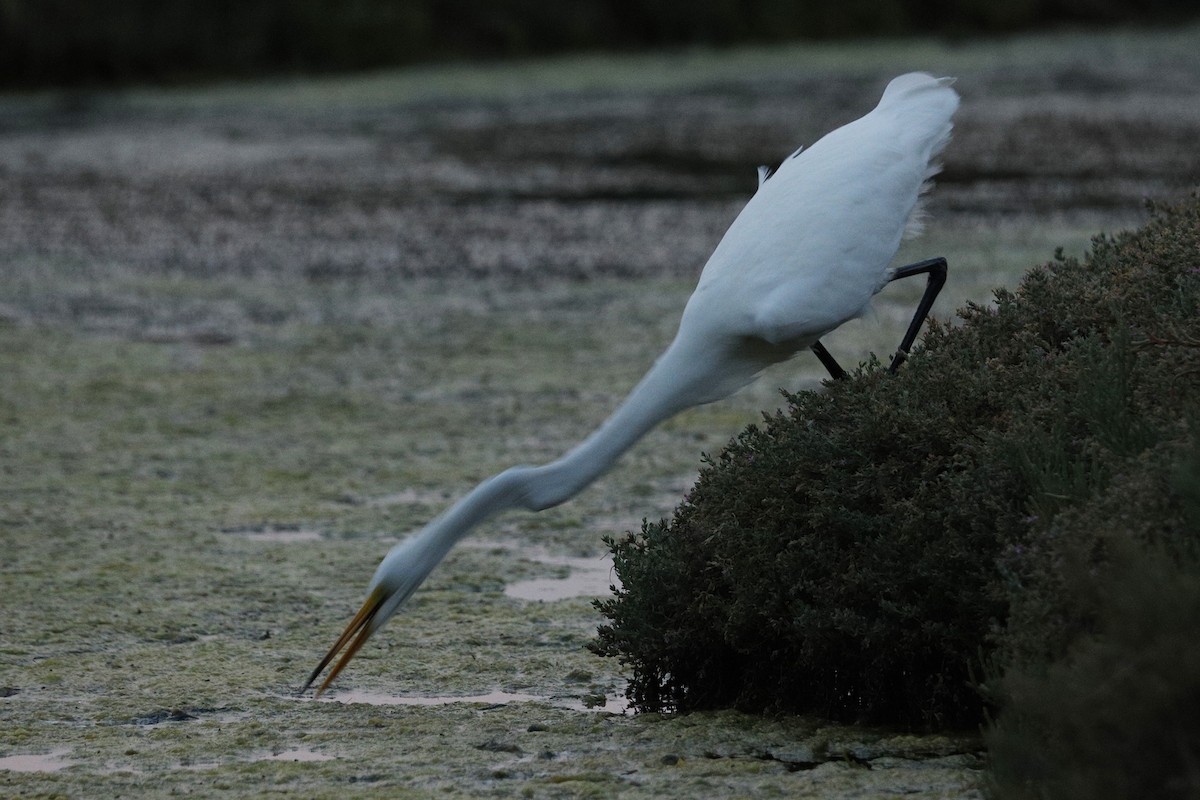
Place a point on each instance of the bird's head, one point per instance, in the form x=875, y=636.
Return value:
x=398, y=576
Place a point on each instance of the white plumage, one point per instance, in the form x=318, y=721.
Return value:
x=806, y=254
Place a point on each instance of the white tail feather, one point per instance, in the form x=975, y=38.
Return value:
x=925, y=101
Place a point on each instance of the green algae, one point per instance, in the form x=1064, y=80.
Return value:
x=152, y=632
x=162, y=430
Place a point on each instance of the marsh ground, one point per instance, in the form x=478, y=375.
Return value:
x=251, y=335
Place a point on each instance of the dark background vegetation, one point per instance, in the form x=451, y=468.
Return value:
x=67, y=42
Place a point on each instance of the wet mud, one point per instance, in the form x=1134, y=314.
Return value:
x=250, y=336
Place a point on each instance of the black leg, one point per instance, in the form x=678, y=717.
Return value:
x=936, y=268
x=835, y=369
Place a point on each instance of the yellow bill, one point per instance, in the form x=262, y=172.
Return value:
x=356, y=633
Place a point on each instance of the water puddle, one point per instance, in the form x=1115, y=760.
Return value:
x=279, y=535
x=497, y=698
x=297, y=754
x=586, y=576
x=306, y=754
x=39, y=762
x=407, y=497
x=612, y=705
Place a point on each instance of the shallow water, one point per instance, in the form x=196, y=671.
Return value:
x=37, y=762
x=616, y=704
x=284, y=536
x=297, y=754
x=588, y=577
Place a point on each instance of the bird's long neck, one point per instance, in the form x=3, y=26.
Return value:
x=672, y=384
x=667, y=388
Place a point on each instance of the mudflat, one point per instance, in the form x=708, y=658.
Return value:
x=251, y=335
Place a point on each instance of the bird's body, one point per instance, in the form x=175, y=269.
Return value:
x=805, y=255
x=812, y=246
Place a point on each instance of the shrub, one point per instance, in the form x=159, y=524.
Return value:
x=1099, y=685
x=835, y=560
x=860, y=555
x=1116, y=717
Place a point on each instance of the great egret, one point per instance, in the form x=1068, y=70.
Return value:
x=805, y=255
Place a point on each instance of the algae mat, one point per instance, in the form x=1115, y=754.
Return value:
x=249, y=336
x=188, y=528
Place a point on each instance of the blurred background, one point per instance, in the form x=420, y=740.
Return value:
x=55, y=42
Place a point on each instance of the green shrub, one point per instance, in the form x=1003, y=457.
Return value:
x=1116, y=717
x=860, y=555
x=1098, y=692
x=835, y=560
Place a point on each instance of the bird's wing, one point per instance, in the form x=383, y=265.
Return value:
x=813, y=244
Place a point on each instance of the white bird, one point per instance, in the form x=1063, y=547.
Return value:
x=806, y=254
